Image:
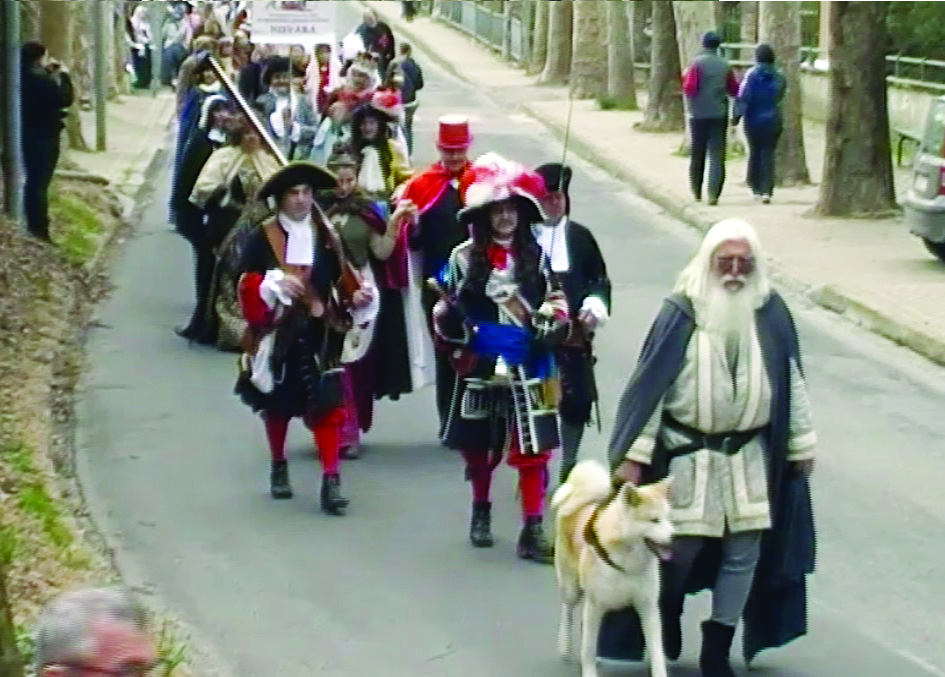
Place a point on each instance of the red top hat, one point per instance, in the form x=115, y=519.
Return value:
x=454, y=133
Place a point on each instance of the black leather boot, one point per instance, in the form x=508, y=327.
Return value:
x=279, y=485
x=671, y=615
x=716, y=644
x=532, y=543
x=480, y=528
x=333, y=502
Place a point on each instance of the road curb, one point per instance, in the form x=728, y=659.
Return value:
x=828, y=297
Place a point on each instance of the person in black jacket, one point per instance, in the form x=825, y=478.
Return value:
x=578, y=266
x=412, y=83
x=45, y=91
x=378, y=39
x=211, y=134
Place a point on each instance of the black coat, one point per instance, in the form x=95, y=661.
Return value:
x=43, y=98
x=776, y=612
x=587, y=276
x=187, y=216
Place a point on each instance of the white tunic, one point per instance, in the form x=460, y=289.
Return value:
x=712, y=490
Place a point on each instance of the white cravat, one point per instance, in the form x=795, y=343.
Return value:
x=300, y=243
x=554, y=243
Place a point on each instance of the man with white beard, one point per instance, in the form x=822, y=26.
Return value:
x=719, y=401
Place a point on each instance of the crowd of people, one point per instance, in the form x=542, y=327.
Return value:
x=342, y=275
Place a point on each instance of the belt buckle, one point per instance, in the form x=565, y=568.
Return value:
x=728, y=445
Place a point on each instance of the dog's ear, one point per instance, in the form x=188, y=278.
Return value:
x=631, y=494
x=664, y=486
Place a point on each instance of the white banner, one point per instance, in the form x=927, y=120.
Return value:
x=307, y=22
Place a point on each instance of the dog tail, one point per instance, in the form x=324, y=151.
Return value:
x=588, y=482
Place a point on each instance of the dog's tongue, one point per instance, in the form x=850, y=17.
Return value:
x=662, y=552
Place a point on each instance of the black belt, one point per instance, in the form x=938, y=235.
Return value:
x=729, y=443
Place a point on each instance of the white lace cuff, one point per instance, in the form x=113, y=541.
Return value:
x=270, y=291
x=597, y=308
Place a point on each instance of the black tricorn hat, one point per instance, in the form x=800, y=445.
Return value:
x=557, y=177
x=296, y=174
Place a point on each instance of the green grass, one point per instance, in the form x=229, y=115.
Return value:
x=77, y=226
x=35, y=501
x=614, y=103
x=171, y=651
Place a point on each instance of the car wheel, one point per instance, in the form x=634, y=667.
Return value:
x=935, y=248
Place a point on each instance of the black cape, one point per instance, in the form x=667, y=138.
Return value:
x=776, y=612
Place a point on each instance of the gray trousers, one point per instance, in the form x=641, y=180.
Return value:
x=740, y=554
x=571, y=435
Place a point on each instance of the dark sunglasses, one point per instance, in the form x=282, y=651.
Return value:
x=132, y=671
x=735, y=265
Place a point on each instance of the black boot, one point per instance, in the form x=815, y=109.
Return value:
x=532, y=543
x=480, y=529
x=279, y=485
x=671, y=615
x=716, y=644
x=333, y=502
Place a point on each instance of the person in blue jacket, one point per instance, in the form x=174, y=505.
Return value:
x=759, y=104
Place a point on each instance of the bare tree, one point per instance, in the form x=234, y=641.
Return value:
x=539, y=47
x=749, y=21
x=641, y=11
x=57, y=29
x=664, y=108
x=589, y=58
x=560, y=21
x=781, y=28
x=30, y=20
x=858, y=177
x=621, y=84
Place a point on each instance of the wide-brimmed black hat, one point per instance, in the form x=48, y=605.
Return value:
x=297, y=174
x=557, y=177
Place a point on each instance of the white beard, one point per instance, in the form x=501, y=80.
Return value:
x=725, y=313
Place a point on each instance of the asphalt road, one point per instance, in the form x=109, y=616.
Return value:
x=176, y=471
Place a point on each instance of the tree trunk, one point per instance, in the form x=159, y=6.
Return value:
x=58, y=35
x=589, y=58
x=121, y=54
x=11, y=663
x=858, y=178
x=539, y=51
x=781, y=28
x=558, y=63
x=641, y=11
x=664, y=107
x=621, y=86
x=693, y=20
x=31, y=20
x=750, y=10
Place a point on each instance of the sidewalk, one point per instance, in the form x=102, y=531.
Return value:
x=136, y=127
x=872, y=271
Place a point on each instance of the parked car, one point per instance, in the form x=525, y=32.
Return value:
x=924, y=202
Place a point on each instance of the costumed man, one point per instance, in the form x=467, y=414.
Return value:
x=576, y=261
x=500, y=317
x=430, y=203
x=288, y=113
x=719, y=401
x=292, y=292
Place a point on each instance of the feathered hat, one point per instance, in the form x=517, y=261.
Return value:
x=493, y=178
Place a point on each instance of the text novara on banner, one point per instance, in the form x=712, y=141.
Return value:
x=307, y=22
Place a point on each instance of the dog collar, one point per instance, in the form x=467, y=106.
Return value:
x=590, y=537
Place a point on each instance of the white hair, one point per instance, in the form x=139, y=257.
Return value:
x=713, y=306
x=65, y=628
x=695, y=279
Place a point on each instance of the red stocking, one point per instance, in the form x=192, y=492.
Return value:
x=480, y=474
x=531, y=483
x=327, y=432
x=277, y=427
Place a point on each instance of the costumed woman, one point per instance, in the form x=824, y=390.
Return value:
x=368, y=241
x=226, y=190
x=292, y=292
x=382, y=168
x=212, y=134
x=500, y=319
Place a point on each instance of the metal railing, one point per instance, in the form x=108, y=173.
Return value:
x=492, y=29
x=487, y=26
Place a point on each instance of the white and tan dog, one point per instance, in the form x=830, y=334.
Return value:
x=607, y=551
